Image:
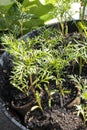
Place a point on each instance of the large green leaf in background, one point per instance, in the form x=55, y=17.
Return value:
x=40, y=11
x=5, y=6
x=37, y=8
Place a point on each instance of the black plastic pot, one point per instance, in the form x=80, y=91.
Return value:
x=3, y=109
x=71, y=28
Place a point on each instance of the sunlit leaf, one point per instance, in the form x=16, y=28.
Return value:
x=34, y=108
x=84, y=95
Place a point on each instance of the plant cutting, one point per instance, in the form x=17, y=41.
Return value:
x=43, y=70
x=40, y=73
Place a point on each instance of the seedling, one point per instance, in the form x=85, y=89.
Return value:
x=81, y=84
x=43, y=59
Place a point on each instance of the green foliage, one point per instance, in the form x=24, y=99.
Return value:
x=38, y=99
x=76, y=51
x=82, y=27
x=81, y=84
x=84, y=3
x=19, y=18
x=62, y=10
x=50, y=94
x=82, y=110
x=35, y=63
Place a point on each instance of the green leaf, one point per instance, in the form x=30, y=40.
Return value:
x=84, y=95
x=53, y=92
x=51, y=1
x=49, y=102
x=38, y=8
x=38, y=98
x=6, y=2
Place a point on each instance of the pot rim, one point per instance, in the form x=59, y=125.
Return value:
x=36, y=31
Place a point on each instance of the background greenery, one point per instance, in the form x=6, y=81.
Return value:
x=21, y=16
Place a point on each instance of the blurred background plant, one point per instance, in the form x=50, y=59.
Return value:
x=21, y=16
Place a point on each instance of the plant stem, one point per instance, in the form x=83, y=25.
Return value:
x=80, y=66
x=31, y=81
x=83, y=10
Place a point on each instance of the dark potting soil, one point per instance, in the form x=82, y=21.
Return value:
x=54, y=119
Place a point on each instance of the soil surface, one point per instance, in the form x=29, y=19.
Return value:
x=55, y=119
